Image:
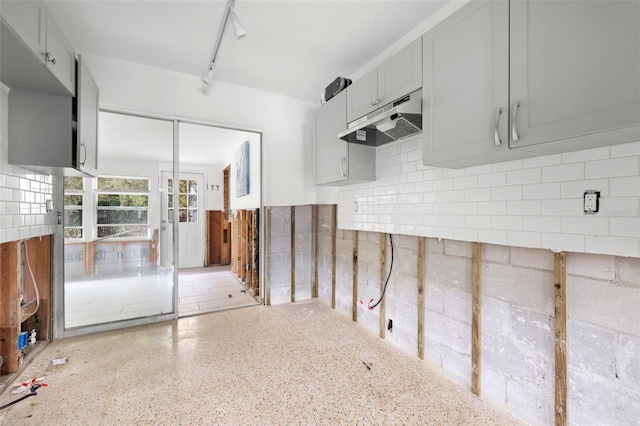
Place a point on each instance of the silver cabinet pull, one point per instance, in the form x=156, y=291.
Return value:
x=48, y=57
x=343, y=167
x=496, y=127
x=514, y=121
x=85, y=154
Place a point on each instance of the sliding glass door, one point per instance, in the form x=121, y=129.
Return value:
x=118, y=253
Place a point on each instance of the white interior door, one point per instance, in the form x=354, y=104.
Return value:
x=189, y=214
x=166, y=219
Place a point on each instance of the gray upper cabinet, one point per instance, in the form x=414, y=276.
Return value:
x=31, y=22
x=465, y=89
x=510, y=80
x=86, y=149
x=575, y=74
x=336, y=161
x=397, y=76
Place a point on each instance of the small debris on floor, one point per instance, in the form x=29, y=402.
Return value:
x=243, y=291
x=230, y=296
x=367, y=365
x=59, y=361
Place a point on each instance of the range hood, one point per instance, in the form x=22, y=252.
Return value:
x=396, y=120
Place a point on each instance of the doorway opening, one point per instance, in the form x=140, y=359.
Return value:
x=131, y=233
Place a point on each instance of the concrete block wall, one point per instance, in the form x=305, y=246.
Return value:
x=23, y=193
x=303, y=252
x=325, y=257
x=517, y=331
x=603, y=294
x=279, y=257
x=517, y=320
x=448, y=307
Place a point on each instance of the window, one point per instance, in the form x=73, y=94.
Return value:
x=187, y=200
x=123, y=207
x=73, y=201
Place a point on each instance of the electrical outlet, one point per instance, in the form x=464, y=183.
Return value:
x=591, y=201
x=390, y=325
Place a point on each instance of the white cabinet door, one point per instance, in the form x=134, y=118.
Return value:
x=60, y=57
x=575, y=68
x=331, y=152
x=400, y=74
x=465, y=88
x=87, y=136
x=28, y=21
x=336, y=161
x=362, y=96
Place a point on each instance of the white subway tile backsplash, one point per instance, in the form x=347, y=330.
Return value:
x=592, y=225
x=563, y=172
x=625, y=166
x=525, y=176
x=574, y=188
x=492, y=179
x=535, y=202
x=586, y=155
x=524, y=208
x=560, y=242
x=506, y=193
x=626, y=186
x=539, y=223
x=625, y=226
x=625, y=150
x=622, y=246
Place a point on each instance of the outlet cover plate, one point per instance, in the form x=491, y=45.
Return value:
x=591, y=201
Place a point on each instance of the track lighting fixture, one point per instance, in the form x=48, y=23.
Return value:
x=239, y=30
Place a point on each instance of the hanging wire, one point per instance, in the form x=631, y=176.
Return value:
x=384, y=289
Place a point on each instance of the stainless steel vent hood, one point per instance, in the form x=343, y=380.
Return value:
x=394, y=121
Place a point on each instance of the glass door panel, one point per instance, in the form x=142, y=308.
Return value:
x=119, y=262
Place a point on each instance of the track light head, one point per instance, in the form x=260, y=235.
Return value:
x=238, y=29
x=206, y=79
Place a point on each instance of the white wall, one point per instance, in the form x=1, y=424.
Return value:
x=286, y=122
x=23, y=193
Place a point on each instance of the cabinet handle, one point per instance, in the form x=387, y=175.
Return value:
x=48, y=57
x=85, y=154
x=496, y=128
x=514, y=121
x=343, y=167
x=374, y=103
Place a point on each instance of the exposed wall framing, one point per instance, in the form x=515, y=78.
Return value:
x=421, y=308
x=476, y=304
x=560, y=297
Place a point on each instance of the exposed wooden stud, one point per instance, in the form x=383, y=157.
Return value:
x=334, y=229
x=383, y=277
x=314, y=251
x=9, y=306
x=421, y=307
x=560, y=278
x=267, y=255
x=293, y=253
x=476, y=301
x=354, y=293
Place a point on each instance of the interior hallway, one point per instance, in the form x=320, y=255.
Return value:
x=303, y=364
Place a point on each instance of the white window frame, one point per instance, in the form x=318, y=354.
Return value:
x=96, y=208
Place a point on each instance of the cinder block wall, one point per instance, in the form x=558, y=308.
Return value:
x=517, y=319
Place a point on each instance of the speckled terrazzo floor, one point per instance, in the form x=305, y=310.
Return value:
x=301, y=363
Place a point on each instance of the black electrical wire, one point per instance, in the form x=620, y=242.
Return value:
x=384, y=289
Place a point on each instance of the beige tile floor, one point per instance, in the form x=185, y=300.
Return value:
x=294, y=364
x=210, y=289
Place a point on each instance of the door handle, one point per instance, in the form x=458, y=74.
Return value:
x=343, y=167
x=514, y=121
x=48, y=57
x=82, y=163
x=496, y=127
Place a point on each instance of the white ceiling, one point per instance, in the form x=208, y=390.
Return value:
x=294, y=48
